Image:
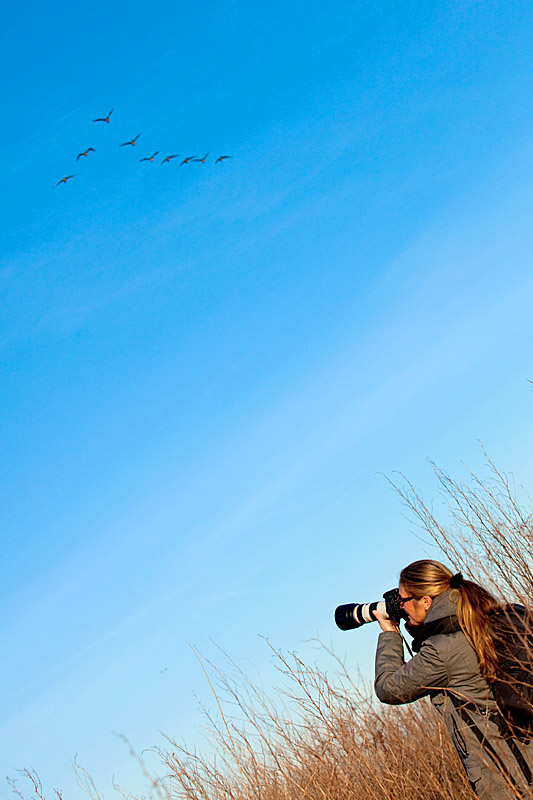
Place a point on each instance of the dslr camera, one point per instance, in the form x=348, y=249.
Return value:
x=353, y=615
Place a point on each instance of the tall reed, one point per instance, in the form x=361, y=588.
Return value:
x=319, y=738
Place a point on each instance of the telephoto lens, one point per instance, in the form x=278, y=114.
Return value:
x=353, y=615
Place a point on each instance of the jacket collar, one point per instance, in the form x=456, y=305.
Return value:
x=441, y=618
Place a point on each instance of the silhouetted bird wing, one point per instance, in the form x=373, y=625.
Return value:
x=103, y=119
x=150, y=158
x=186, y=160
x=221, y=158
x=167, y=158
x=132, y=141
x=65, y=179
x=85, y=153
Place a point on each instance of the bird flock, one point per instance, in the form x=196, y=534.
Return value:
x=149, y=159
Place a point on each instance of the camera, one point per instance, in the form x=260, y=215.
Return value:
x=353, y=615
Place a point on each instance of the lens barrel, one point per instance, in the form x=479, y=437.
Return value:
x=353, y=615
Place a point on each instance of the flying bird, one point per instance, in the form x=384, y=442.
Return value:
x=65, y=179
x=221, y=158
x=149, y=158
x=167, y=158
x=103, y=119
x=85, y=153
x=186, y=160
x=201, y=159
x=132, y=141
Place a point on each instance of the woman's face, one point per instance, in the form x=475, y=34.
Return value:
x=415, y=608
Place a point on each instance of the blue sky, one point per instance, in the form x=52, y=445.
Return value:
x=205, y=368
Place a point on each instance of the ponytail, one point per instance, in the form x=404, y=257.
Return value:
x=474, y=605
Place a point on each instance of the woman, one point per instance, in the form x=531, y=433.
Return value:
x=449, y=619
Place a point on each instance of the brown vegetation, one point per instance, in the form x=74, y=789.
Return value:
x=490, y=533
x=322, y=739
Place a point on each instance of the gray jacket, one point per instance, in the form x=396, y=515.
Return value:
x=447, y=663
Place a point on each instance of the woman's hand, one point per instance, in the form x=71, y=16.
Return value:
x=386, y=624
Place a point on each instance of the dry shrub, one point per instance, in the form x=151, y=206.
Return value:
x=490, y=534
x=320, y=738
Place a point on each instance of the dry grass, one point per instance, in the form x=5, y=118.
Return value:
x=490, y=532
x=321, y=739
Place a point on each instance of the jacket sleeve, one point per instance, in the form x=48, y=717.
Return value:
x=397, y=682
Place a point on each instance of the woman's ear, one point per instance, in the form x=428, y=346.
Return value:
x=426, y=602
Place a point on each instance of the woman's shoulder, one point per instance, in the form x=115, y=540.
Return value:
x=454, y=650
x=447, y=625
x=461, y=663
x=448, y=643
x=452, y=641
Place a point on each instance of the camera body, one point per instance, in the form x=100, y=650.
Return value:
x=353, y=615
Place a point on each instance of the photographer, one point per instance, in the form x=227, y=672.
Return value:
x=455, y=660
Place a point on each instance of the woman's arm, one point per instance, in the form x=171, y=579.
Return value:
x=397, y=682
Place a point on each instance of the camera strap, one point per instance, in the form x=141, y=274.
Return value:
x=406, y=643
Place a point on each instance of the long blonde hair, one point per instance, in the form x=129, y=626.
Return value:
x=474, y=605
